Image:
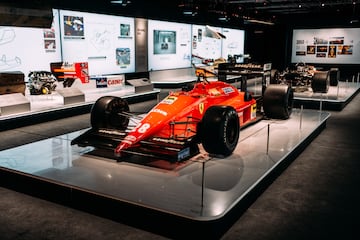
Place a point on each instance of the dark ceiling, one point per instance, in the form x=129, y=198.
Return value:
x=219, y=12
x=232, y=12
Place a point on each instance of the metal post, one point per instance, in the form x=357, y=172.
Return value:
x=202, y=183
x=301, y=115
x=255, y=91
x=321, y=101
x=268, y=139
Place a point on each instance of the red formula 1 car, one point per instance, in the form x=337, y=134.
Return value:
x=208, y=113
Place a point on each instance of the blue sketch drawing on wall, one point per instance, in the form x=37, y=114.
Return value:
x=6, y=64
x=6, y=35
x=101, y=40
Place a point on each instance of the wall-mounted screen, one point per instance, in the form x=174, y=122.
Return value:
x=334, y=45
x=106, y=42
x=169, y=45
x=29, y=49
x=233, y=44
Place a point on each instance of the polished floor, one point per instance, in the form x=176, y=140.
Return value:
x=316, y=197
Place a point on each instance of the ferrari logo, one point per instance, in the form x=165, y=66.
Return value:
x=201, y=108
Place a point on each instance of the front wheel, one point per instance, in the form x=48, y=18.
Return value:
x=107, y=112
x=220, y=129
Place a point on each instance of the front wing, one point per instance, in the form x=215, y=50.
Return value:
x=105, y=141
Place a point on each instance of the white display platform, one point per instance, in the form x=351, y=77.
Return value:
x=335, y=99
x=69, y=98
x=204, y=188
x=13, y=103
x=172, y=78
x=71, y=95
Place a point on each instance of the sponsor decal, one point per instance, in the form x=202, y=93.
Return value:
x=253, y=111
x=101, y=82
x=184, y=153
x=111, y=82
x=250, y=65
x=214, y=92
x=166, y=140
x=169, y=100
x=113, y=132
x=130, y=138
x=162, y=112
x=228, y=90
x=201, y=108
x=126, y=141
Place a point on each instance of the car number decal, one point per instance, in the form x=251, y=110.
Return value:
x=141, y=127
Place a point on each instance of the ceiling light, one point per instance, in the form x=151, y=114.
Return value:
x=189, y=12
x=251, y=20
x=223, y=18
x=121, y=2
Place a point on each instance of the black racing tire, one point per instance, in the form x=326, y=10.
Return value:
x=105, y=113
x=220, y=130
x=334, y=76
x=320, y=82
x=278, y=101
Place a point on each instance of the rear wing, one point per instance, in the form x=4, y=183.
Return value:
x=245, y=70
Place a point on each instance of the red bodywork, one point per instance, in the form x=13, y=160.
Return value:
x=176, y=117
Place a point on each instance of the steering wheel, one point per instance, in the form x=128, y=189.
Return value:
x=204, y=78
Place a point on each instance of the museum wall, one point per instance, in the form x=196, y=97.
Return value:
x=274, y=43
x=262, y=42
x=111, y=45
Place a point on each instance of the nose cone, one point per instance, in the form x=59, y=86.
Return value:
x=125, y=144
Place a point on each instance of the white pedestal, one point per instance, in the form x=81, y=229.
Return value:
x=13, y=103
x=71, y=95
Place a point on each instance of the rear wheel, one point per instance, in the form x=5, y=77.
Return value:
x=220, y=128
x=278, y=101
x=320, y=82
x=106, y=113
x=334, y=76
